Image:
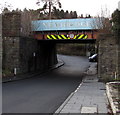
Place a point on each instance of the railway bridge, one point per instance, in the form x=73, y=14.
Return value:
x=80, y=29
x=23, y=54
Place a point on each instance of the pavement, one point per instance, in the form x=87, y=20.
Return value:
x=89, y=97
x=31, y=74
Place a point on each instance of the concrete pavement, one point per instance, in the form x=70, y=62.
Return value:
x=89, y=97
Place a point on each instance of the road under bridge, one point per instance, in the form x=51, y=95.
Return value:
x=38, y=53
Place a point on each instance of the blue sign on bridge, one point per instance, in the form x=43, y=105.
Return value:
x=64, y=24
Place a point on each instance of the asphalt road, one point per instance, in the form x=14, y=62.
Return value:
x=44, y=94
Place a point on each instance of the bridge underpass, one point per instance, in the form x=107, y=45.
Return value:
x=25, y=54
x=82, y=31
x=42, y=93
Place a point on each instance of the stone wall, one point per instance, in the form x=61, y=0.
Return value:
x=35, y=55
x=11, y=38
x=119, y=56
x=11, y=24
x=26, y=54
x=10, y=53
x=108, y=57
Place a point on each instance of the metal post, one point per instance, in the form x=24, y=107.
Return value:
x=15, y=71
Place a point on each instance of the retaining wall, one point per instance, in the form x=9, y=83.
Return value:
x=108, y=66
x=24, y=54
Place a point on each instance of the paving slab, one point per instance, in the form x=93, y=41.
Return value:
x=89, y=97
x=89, y=110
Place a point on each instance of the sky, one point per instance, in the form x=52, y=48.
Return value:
x=92, y=7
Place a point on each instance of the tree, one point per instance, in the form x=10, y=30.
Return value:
x=81, y=16
x=62, y=14
x=116, y=21
x=5, y=10
x=74, y=14
x=5, y=7
x=71, y=14
x=102, y=22
x=67, y=15
x=26, y=19
x=55, y=13
x=49, y=4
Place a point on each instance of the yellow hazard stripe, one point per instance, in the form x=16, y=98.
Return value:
x=75, y=37
x=53, y=37
x=49, y=37
x=85, y=37
x=81, y=36
x=59, y=37
x=63, y=37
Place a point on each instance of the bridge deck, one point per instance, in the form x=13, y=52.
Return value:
x=67, y=29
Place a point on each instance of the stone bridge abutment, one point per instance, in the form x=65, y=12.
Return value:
x=23, y=54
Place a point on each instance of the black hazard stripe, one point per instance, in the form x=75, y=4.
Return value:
x=85, y=37
x=77, y=36
x=62, y=37
x=54, y=37
x=59, y=37
x=81, y=36
x=49, y=37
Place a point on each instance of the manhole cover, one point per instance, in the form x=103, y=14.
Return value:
x=89, y=110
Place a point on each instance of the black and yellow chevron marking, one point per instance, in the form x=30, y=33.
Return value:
x=63, y=37
x=56, y=37
x=82, y=36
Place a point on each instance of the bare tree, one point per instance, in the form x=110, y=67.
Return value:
x=102, y=21
x=5, y=7
x=26, y=19
x=49, y=4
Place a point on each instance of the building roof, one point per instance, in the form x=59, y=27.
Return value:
x=64, y=24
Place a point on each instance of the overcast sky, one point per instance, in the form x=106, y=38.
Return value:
x=92, y=7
